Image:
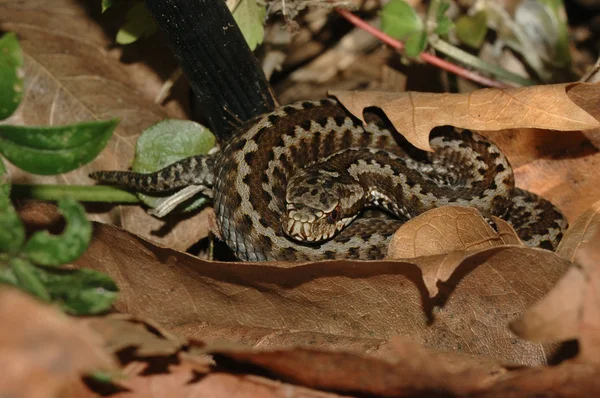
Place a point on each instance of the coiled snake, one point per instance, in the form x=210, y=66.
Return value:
x=290, y=183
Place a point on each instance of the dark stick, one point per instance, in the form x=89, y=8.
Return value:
x=222, y=71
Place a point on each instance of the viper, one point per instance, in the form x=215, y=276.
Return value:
x=309, y=181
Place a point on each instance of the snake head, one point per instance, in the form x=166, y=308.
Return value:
x=319, y=205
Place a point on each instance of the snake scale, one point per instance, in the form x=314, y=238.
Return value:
x=290, y=184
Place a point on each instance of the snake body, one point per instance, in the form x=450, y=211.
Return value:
x=290, y=184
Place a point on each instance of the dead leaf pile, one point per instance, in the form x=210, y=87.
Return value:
x=457, y=309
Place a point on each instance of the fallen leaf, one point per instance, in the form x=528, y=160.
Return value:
x=589, y=327
x=41, y=350
x=415, y=114
x=354, y=374
x=580, y=232
x=566, y=380
x=447, y=229
x=182, y=382
x=572, y=309
x=122, y=331
x=333, y=304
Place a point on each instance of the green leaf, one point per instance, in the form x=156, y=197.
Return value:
x=4, y=180
x=471, y=30
x=12, y=232
x=415, y=44
x=401, y=21
x=56, y=149
x=11, y=79
x=22, y=274
x=139, y=23
x=250, y=17
x=106, y=4
x=53, y=250
x=78, y=291
x=444, y=24
x=167, y=142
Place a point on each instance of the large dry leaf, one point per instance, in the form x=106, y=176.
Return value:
x=572, y=309
x=412, y=371
x=415, y=114
x=583, y=230
x=337, y=304
x=121, y=332
x=183, y=382
x=42, y=350
x=71, y=77
x=448, y=229
x=567, y=380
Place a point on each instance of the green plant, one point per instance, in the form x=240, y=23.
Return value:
x=36, y=264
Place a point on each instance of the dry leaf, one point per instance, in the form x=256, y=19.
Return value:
x=182, y=382
x=415, y=114
x=417, y=372
x=335, y=304
x=70, y=77
x=572, y=309
x=447, y=229
x=581, y=231
x=567, y=380
x=121, y=331
x=42, y=350
x=589, y=327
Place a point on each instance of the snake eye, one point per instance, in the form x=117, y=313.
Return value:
x=333, y=216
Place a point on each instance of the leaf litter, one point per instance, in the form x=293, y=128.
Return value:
x=329, y=328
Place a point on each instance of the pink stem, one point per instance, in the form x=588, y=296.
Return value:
x=430, y=58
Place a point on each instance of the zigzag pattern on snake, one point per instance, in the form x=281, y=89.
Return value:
x=330, y=166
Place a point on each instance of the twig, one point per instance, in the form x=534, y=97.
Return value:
x=426, y=57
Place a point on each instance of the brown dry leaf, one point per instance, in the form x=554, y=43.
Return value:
x=121, y=331
x=568, y=380
x=588, y=256
x=447, y=229
x=413, y=370
x=572, y=309
x=70, y=77
x=42, y=350
x=580, y=232
x=336, y=304
x=415, y=114
x=185, y=383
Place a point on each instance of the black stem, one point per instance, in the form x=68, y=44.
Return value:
x=220, y=67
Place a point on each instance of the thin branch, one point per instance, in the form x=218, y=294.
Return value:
x=81, y=193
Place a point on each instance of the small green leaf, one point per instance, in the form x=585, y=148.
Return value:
x=4, y=180
x=22, y=274
x=444, y=24
x=471, y=30
x=415, y=44
x=53, y=250
x=12, y=232
x=11, y=75
x=401, y=21
x=139, y=23
x=106, y=4
x=167, y=142
x=250, y=17
x=56, y=149
x=78, y=291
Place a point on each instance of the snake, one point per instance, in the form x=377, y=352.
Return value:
x=309, y=181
